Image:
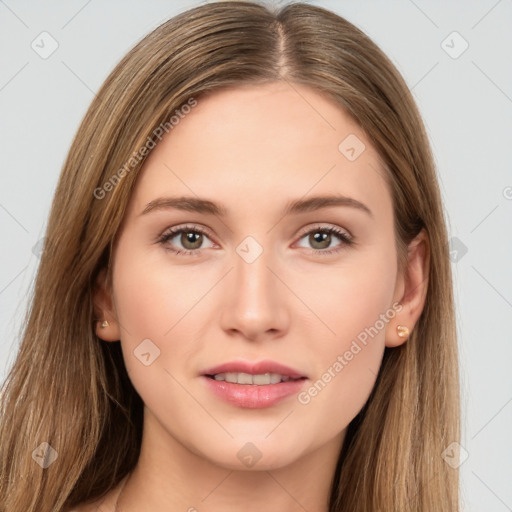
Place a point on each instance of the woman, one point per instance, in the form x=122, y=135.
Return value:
x=245, y=296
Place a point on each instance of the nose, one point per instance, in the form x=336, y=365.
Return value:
x=256, y=299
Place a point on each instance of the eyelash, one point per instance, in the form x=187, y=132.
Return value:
x=172, y=232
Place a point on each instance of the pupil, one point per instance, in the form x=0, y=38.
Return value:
x=322, y=238
x=193, y=238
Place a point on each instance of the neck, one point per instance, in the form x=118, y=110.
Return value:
x=116, y=506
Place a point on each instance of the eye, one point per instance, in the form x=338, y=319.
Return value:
x=190, y=237
x=321, y=237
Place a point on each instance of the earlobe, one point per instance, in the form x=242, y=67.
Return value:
x=107, y=327
x=414, y=286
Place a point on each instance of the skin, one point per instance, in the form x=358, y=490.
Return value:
x=252, y=149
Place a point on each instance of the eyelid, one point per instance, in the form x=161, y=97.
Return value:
x=304, y=231
x=174, y=230
x=321, y=226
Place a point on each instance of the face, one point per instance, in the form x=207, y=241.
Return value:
x=251, y=281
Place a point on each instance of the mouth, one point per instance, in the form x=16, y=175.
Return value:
x=254, y=385
x=261, y=379
x=259, y=373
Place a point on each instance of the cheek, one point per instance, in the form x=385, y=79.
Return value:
x=162, y=302
x=151, y=302
x=350, y=297
x=150, y=295
x=354, y=305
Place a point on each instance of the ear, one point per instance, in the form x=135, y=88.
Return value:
x=411, y=289
x=104, y=309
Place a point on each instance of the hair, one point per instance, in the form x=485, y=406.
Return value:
x=69, y=389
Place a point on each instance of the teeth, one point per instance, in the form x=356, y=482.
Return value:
x=246, y=378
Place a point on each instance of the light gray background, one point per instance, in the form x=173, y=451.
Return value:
x=466, y=103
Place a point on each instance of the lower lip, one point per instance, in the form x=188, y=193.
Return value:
x=252, y=396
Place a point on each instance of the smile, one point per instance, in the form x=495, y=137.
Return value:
x=262, y=379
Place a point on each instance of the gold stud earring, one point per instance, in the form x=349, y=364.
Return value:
x=104, y=324
x=402, y=331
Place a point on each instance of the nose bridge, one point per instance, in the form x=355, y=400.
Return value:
x=253, y=279
x=255, y=304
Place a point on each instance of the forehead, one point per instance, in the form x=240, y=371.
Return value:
x=259, y=142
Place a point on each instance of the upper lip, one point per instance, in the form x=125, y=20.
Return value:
x=255, y=368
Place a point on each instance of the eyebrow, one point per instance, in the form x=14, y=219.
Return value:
x=199, y=205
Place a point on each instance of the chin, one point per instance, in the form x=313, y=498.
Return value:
x=260, y=454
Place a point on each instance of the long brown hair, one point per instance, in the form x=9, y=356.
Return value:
x=68, y=389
